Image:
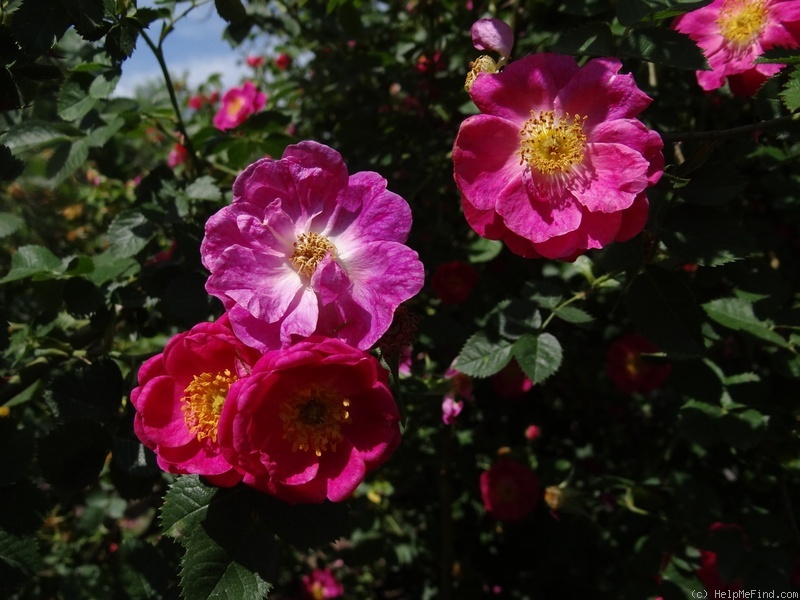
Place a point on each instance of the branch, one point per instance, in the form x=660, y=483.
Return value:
x=722, y=134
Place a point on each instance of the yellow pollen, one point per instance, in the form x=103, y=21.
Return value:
x=482, y=64
x=312, y=419
x=202, y=402
x=552, y=144
x=741, y=21
x=234, y=105
x=309, y=250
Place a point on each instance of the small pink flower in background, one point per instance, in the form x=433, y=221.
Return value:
x=533, y=432
x=283, y=61
x=238, y=103
x=430, y=65
x=511, y=383
x=255, y=61
x=327, y=246
x=451, y=408
x=509, y=489
x=310, y=421
x=452, y=282
x=734, y=33
x=494, y=35
x=177, y=155
x=628, y=369
x=181, y=395
x=557, y=163
x=321, y=584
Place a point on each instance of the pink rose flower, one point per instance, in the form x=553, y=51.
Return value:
x=556, y=164
x=304, y=248
x=310, y=421
x=493, y=34
x=533, y=432
x=734, y=33
x=451, y=408
x=628, y=369
x=321, y=584
x=180, y=397
x=509, y=489
x=255, y=61
x=196, y=102
x=237, y=104
x=177, y=155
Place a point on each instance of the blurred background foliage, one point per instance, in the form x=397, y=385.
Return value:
x=101, y=266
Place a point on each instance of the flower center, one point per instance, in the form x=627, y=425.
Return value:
x=482, y=64
x=202, y=402
x=235, y=105
x=312, y=419
x=309, y=249
x=633, y=363
x=552, y=144
x=741, y=21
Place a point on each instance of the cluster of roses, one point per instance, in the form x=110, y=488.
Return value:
x=556, y=163
x=280, y=392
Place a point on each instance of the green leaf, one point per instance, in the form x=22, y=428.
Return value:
x=709, y=425
x=105, y=83
x=663, y=46
x=482, y=357
x=185, y=507
x=87, y=17
x=663, y=309
x=539, y=356
x=10, y=168
x=35, y=135
x=713, y=185
x=129, y=233
x=107, y=267
x=780, y=55
x=706, y=237
x=28, y=261
x=483, y=250
x=737, y=314
x=630, y=12
x=38, y=24
x=67, y=159
x=121, y=39
x=593, y=39
x=204, y=188
x=9, y=223
x=19, y=559
x=232, y=11
x=791, y=92
x=74, y=100
x=573, y=314
x=218, y=572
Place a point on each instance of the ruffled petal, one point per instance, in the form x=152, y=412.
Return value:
x=613, y=176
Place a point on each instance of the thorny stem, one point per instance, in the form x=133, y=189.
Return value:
x=721, y=134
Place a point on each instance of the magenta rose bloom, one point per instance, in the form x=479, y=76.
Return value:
x=556, y=164
x=509, y=489
x=734, y=33
x=306, y=249
x=310, y=421
x=180, y=397
x=238, y=103
x=321, y=584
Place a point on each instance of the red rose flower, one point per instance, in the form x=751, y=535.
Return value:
x=310, y=421
x=453, y=281
x=628, y=369
x=708, y=572
x=511, y=382
x=510, y=490
x=283, y=61
x=180, y=397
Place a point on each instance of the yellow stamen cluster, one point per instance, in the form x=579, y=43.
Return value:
x=312, y=419
x=482, y=64
x=202, y=402
x=309, y=249
x=741, y=21
x=552, y=144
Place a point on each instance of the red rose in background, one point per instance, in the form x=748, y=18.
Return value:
x=629, y=370
x=510, y=490
x=453, y=281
